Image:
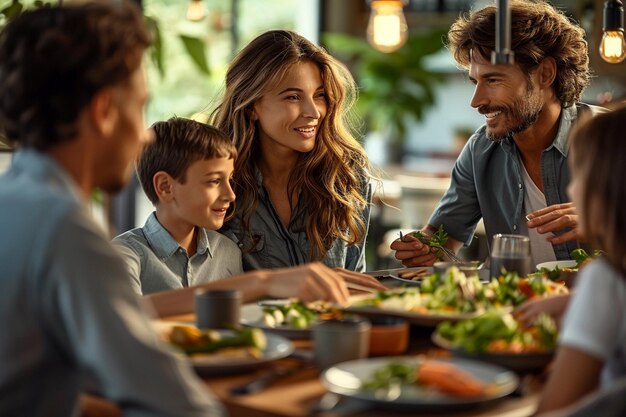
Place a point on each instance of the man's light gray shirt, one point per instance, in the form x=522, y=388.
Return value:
x=487, y=183
x=156, y=261
x=71, y=316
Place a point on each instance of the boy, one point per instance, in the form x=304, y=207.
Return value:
x=186, y=173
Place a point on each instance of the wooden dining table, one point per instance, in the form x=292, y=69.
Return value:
x=299, y=393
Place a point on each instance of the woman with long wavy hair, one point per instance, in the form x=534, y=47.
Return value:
x=302, y=179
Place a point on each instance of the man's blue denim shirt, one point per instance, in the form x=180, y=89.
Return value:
x=487, y=183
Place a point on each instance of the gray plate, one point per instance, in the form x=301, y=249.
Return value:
x=521, y=362
x=483, y=274
x=346, y=379
x=396, y=272
x=420, y=319
x=277, y=348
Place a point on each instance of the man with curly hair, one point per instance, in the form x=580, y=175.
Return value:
x=513, y=172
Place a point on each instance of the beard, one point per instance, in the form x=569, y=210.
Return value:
x=524, y=112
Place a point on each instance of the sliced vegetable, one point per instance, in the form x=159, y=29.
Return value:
x=192, y=340
x=449, y=379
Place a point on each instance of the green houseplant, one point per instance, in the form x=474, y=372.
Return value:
x=395, y=88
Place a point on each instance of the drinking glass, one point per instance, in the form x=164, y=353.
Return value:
x=510, y=253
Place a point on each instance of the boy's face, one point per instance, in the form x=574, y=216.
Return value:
x=206, y=194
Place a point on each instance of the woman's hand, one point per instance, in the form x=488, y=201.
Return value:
x=554, y=306
x=359, y=282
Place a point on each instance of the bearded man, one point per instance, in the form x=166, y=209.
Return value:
x=513, y=171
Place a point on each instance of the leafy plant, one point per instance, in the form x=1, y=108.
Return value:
x=395, y=88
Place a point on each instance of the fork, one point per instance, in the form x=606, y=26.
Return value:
x=450, y=254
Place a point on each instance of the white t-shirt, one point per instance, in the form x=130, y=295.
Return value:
x=595, y=321
x=540, y=249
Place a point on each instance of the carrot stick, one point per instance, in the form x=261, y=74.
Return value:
x=449, y=379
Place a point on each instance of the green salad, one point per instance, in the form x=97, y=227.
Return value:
x=453, y=293
x=500, y=333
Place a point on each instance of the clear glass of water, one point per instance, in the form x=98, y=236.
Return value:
x=510, y=253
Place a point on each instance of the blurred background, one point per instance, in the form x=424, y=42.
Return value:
x=414, y=102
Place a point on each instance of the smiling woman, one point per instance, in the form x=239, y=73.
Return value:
x=301, y=178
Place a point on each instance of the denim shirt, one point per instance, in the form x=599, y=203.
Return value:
x=279, y=246
x=69, y=312
x=156, y=261
x=487, y=183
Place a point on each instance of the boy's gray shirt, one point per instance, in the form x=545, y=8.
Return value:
x=156, y=262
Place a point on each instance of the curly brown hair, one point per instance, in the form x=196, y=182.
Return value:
x=333, y=176
x=54, y=59
x=599, y=158
x=538, y=31
x=177, y=144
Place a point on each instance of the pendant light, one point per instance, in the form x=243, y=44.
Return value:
x=387, y=30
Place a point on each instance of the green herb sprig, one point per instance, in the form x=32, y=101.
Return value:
x=437, y=241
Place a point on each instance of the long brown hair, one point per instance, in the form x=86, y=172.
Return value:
x=598, y=158
x=332, y=177
x=538, y=31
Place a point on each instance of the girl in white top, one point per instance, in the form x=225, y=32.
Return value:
x=592, y=349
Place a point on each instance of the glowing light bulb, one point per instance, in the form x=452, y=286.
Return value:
x=196, y=11
x=387, y=29
x=613, y=46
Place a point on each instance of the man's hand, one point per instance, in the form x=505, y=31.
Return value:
x=553, y=218
x=411, y=252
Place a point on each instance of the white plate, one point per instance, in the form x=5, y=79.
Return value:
x=553, y=264
x=251, y=315
x=277, y=348
x=346, y=379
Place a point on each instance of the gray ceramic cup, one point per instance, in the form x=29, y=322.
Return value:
x=336, y=341
x=217, y=309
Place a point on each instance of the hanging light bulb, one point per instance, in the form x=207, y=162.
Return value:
x=196, y=11
x=613, y=46
x=387, y=29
